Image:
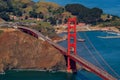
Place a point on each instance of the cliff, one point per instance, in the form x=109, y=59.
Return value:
x=22, y=51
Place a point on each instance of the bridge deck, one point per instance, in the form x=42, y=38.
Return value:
x=92, y=67
x=103, y=74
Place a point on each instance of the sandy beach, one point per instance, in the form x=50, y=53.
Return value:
x=90, y=28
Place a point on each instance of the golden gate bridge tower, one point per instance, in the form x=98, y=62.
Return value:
x=71, y=65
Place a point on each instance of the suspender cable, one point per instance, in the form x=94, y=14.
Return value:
x=101, y=56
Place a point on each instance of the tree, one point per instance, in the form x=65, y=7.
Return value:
x=4, y=16
x=17, y=12
x=52, y=20
x=3, y=6
x=96, y=12
x=33, y=14
x=75, y=9
x=60, y=10
x=83, y=13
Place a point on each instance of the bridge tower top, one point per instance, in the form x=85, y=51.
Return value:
x=71, y=39
x=71, y=35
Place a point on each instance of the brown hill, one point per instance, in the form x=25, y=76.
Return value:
x=22, y=51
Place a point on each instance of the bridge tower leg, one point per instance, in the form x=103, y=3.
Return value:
x=71, y=65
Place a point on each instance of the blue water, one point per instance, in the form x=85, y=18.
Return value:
x=108, y=48
x=108, y=6
x=35, y=75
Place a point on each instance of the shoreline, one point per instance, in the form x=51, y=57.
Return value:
x=39, y=70
x=92, y=28
x=87, y=28
x=50, y=70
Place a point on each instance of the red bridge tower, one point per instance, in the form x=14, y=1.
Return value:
x=71, y=65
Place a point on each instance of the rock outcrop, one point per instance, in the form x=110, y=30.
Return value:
x=22, y=51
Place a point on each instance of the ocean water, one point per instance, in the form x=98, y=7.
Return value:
x=94, y=48
x=108, y=6
x=109, y=49
x=35, y=75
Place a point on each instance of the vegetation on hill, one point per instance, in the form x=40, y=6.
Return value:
x=109, y=21
x=48, y=12
x=83, y=13
x=46, y=28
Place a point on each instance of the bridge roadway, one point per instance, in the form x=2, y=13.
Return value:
x=96, y=70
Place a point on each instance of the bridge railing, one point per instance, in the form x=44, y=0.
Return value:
x=93, y=68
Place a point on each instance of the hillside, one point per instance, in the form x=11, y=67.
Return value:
x=20, y=10
x=21, y=51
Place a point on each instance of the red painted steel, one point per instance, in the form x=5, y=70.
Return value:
x=71, y=44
